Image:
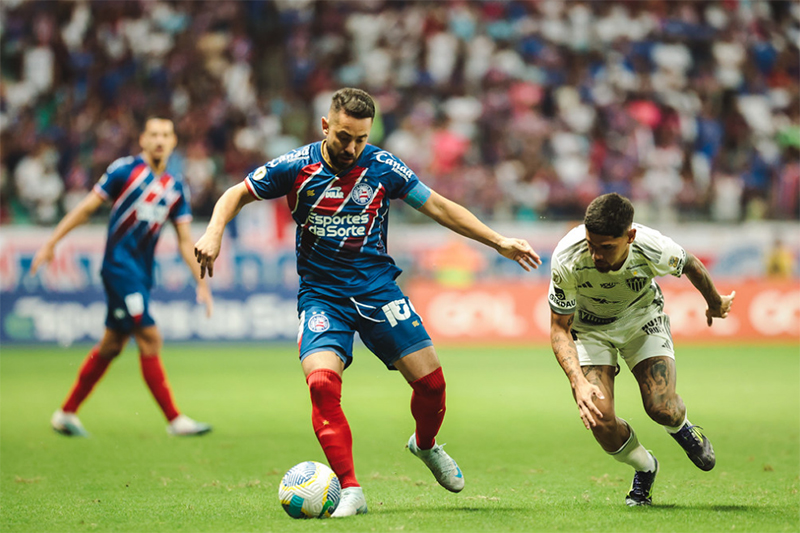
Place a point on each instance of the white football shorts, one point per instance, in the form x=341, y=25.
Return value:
x=600, y=346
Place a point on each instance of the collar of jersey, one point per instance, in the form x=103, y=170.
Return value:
x=336, y=175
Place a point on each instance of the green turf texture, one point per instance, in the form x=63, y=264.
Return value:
x=511, y=424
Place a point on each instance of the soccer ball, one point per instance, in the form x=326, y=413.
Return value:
x=309, y=490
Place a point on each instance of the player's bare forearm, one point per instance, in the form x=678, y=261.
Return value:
x=186, y=249
x=564, y=347
x=206, y=250
x=187, y=253
x=460, y=220
x=718, y=305
x=583, y=391
x=227, y=207
x=76, y=217
x=698, y=274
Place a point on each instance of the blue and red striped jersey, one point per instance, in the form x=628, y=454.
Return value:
x=342, y=218
x=141, y=203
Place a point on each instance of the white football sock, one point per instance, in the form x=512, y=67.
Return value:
x=632, y=453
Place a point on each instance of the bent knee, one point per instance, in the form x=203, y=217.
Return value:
x=324, y=384
x=432, y=384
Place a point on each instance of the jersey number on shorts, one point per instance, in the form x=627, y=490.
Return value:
x=397, y=310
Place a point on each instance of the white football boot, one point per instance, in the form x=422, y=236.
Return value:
x=183, y=426
x=444, y=468
x=68, y=424
x=351, y=503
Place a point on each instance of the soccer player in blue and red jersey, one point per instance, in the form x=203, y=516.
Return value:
x=143, y=197
x=338, y=191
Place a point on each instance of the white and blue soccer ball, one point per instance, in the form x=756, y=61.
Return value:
x=310, y=490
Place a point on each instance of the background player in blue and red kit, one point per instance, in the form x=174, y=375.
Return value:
x=338, y=191
x=143, y=196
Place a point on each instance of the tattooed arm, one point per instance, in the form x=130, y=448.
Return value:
x=718, y=306
x=567, y=356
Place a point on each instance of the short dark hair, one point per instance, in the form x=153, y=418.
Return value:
x=610, y=215
x=144, y=119
x=354, y=102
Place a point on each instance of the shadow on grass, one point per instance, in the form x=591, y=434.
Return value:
x=436, y=510
x=723, y=508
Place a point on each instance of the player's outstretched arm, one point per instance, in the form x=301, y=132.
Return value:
x=182, y=229
x=206, y=250
x=77, y=216
x=458, y=219
x=718, y=305
x=567, y=356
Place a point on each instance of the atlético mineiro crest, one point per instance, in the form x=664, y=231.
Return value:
x=318, y=323
x=361, y=194
x=636, y=284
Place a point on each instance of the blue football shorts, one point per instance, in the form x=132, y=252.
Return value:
x=385, y=321
x=128, y=304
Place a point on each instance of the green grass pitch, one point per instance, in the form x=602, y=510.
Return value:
x=511, y=424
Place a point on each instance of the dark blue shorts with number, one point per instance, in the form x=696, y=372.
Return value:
x=128, y=303
x=385, y=320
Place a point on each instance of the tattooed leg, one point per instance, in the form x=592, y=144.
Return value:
x=610, y=432
x=657, y=378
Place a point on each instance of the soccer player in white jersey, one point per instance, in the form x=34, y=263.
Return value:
x=605, y=303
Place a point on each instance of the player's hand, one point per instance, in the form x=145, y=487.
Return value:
x=43, y=255
x=520, y=251
x=204, y=297
x=585, y=393
x=206, y=251
x=722, y=310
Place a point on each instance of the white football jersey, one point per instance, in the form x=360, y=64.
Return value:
x=615, y=298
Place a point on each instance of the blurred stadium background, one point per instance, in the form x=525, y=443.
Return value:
x=522, y=111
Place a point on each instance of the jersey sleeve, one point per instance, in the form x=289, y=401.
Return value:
x=113, y=180
x=401, y=181
x=275, y=179
x=563, y=290
x=665, y=255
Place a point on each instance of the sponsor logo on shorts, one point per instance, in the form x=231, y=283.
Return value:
x=657, y=325
x=318, y=323
x=362, y=194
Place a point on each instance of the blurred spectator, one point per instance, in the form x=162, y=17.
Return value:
x=528, y=109
x=780, y=261
x=39, y=185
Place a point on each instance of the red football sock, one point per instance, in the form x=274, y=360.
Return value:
x=156, y=380
x=91, y=371
x=330, y=424
x=428, y=407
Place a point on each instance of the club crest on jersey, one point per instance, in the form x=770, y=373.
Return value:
x=318, y=323
x=636, y=284
x=362, y=193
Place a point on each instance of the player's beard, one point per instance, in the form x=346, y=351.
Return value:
x=336, y=160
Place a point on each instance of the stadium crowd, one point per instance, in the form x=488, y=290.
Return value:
x=519, y=109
